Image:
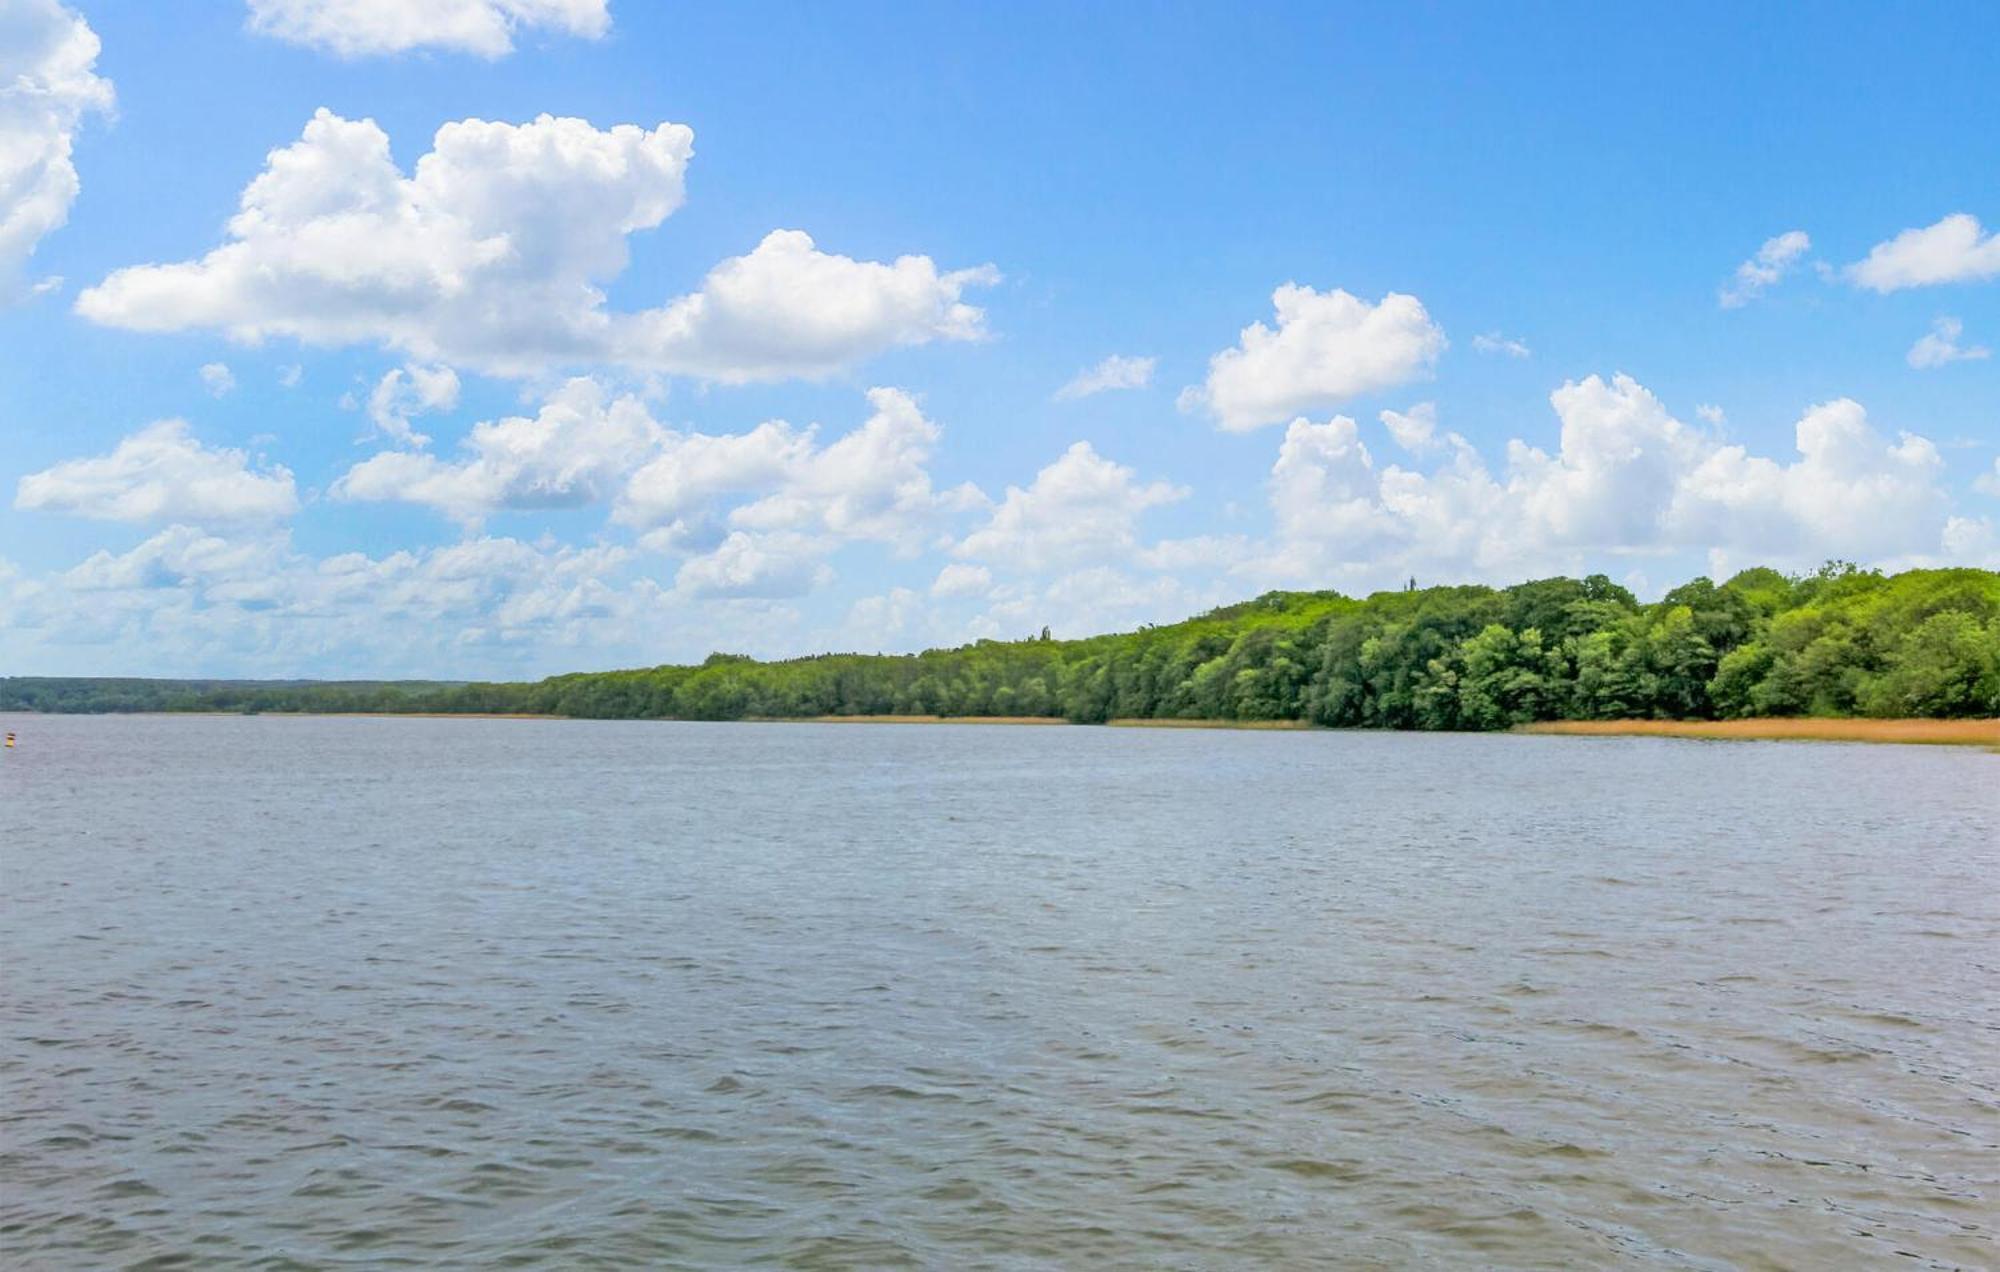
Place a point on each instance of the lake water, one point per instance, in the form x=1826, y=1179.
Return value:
x=321, y=992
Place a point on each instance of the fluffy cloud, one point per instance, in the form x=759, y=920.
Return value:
x=1323, y=485
x=162, y=473
x=578, y=449
x=494, y=253
x=1415, y=430
x=489, y=251
x=788, y=309
x=767, y=505
x=1850, y=493
x=235, y=570
x=878, y=621
x=1941, y=347
x=1988, y=483
x=1626, y=479
x=47, y=87
x=1620, y=455
x=959, y=579
x=751, y=515
x=196, y=601
x=1115, y=372
x=1082, y=507
x=218, y=379
x=409, y=391
x=1771, y=263
x=1327, y=347
x=688, y=475
x=486, y=28
x=871, y=484
x=780, y=503
x=756, y=565
x=750, y=520
x=1954, y=250
x=1338, y=516
x=1973, y=541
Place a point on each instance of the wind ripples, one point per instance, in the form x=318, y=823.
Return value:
x=297, y=992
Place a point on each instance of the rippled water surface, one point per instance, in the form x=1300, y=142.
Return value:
x=320, y=992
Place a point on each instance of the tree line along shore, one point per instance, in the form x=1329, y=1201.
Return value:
x=1840, y=642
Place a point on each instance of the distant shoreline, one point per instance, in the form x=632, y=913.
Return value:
x=1164, y=723
x=1919, y=732
x=1984, y=733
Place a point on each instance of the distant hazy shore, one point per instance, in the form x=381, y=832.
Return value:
x=1115, y=724
x=1774, y=729
x=1924, y=732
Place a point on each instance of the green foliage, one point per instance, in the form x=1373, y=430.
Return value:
x=1839, y=641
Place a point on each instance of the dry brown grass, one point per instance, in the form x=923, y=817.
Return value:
x=1136, y=722
x=1925, y=732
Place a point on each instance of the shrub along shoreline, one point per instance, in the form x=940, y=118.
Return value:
x=1839, y=642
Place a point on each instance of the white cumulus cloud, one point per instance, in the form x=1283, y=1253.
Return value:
x=870, y=484
x=1626, y=478
x=494, y=254
x=686, y=476
x=486, y=28
x=788, y=309
x=757, y=514
x=1082, y=507
x=1327, y=347
x=408, y=391
x=1771, y=263
x=959, y=579
x=1115, y=372
x=1620, y=455
x=195, y=600
x=1954, y=250
x=875, y=622
x=47, y=87
x=161, y=473
x=1850, y=493
x=577, y=450
x=1415, y=430
x=780, y=488
x=767, y=566
x=491, y=250
x=1940, y=347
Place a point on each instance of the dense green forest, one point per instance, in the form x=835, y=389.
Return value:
x=1840, y=641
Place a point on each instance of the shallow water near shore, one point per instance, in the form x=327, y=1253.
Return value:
x=320, y=992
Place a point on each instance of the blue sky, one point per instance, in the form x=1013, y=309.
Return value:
x=1531, y=236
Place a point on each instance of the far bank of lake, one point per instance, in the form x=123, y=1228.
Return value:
x=1984, y=733
x=1920, y=732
